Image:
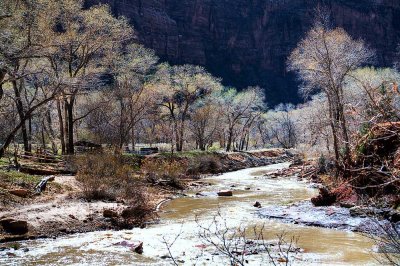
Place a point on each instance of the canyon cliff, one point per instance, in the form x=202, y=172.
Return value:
x=247, y=42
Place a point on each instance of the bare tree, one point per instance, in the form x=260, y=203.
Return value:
x=237, y=243
x=323, y=60
x=82, y=42
x=280, y=126
x=242, y=107
x=204, y=122
x=183, y=86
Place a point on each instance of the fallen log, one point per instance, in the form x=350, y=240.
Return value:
x=308, y=173
x=41, y=186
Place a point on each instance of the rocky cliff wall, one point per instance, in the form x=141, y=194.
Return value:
x=246, y=42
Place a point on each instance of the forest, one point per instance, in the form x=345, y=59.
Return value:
x=71, y=75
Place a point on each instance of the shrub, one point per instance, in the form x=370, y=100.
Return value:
x=207, y=164
x=105, y=176
x=387, y=239
x=111, y=177
x=165, y=170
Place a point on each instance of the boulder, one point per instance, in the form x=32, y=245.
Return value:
x=225, y=193
x=20, y=192
x=139, y=248
x=325, y=198
x=108, y=213
x=257, y=204
x=15, y=227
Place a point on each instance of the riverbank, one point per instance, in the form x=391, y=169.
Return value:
x=61, y=209
x=182, y=217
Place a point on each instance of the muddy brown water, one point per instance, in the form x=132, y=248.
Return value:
x=182, y=217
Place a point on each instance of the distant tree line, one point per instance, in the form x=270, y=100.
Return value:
x=68, y=73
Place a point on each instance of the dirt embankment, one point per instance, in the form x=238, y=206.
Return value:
x=61, y=209
x=370, y=183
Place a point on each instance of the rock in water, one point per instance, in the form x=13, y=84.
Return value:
x=257, y=204
x=16, y=227
x=139, y=248
x=225, y=193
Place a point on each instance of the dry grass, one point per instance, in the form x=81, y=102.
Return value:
x=110, y=177
x=165, y=170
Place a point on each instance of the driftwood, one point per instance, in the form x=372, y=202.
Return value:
x=308, y=173
x=41, y=186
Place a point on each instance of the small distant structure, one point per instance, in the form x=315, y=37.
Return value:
x=86, y=146
x=148, y=151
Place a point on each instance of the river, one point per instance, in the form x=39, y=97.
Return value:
x=319, y=246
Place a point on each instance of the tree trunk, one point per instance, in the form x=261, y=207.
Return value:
x=50, y=132
x=177, y=135
x=332, y=115
x=247, y=141
x=61, y=122
x=180, y=133
x=30, y=133
x=346, y=157
x=230, y=137
x=70, y=122
x=11, y=135
x=66, y=125
x=133, y=140
x=202, y=145
x=21, y=114
x=3, y=73
x=43, y=137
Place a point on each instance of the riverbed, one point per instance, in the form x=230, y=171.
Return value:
x=180, y=221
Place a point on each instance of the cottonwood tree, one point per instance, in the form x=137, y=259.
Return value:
x=82, y=42
x=18, y=46
x=280, y=126
x=313, y=126
x=323, y=61
x=37, y=91
x=240, y=107
x=205, y=120
x=25, y=79
x=133, y=97
x=180, y=88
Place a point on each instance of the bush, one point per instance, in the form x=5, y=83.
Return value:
x=167, y=170
x=207, y=164
x=111, y=177
x=105, y=176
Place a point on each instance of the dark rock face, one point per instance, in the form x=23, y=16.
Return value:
x=15, y=227
x=246, y=42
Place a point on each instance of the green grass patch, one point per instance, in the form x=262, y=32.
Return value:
x=4, y=161
x=14, y=246
x=18, y=177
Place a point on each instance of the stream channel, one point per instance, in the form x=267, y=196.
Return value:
x=182, y=216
